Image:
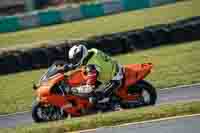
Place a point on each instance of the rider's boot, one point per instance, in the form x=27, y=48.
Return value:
x=102, y=93
x=98, y=97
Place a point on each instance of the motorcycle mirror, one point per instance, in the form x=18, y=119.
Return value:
x=34, y=86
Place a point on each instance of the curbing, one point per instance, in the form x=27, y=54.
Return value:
x=84, y=11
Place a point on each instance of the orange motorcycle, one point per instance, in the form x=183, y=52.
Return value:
x=57, y=98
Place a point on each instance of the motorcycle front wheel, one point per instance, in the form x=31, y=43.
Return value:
x=41, y=113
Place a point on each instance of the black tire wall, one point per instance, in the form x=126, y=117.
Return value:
x=27, y=59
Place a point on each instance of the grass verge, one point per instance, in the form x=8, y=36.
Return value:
x=173, y=65
x=102, y=25
x=112, y=118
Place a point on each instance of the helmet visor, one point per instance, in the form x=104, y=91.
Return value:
x=76, y=59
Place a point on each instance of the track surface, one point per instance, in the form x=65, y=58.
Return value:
x=180, y=125
x=164, y=96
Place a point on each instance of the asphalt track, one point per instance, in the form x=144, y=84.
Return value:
x=179, y=94
x=176, y=125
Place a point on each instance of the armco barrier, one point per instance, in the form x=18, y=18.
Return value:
x=67, y=14
x=9, y=24
x=29, y=20
x=70, y=14
x=20, y=60
x=113, y=6
x=159, y=2
x=92, y=10
x=49, y=17
x=135, y=4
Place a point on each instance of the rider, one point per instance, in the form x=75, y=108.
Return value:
x=99, y=67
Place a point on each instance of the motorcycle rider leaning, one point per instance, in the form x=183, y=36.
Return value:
x=98, y=67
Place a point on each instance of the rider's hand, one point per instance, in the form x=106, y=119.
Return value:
x=68, y=67
x=60, y=68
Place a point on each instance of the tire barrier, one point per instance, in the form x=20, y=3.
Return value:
x=112, y=44
x=25, y=60
x=68, y=14
x=185, y=30
x=9, y=64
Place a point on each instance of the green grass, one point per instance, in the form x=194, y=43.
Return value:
x=173, y=65
x=108, y=119
x=102, y=25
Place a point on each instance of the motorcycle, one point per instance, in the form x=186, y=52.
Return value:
x=57, y=97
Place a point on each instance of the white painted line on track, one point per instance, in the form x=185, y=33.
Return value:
x=180, y=86
x=11, y=114
x=142, y=122
x=181, y=101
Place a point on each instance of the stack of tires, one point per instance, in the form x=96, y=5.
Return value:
x=181, y=31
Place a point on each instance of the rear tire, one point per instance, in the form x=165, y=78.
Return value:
x=142, y=87
x=145, y=86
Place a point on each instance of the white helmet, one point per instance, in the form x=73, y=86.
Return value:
x=77, y=54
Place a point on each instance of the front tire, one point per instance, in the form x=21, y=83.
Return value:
x=42, y=113
x=35, y=109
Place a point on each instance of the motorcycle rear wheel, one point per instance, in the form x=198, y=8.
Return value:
x=148, y=94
